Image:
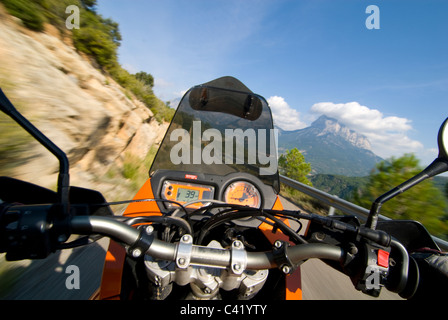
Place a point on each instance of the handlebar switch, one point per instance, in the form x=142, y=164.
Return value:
x=372, y=277
x=26, y=232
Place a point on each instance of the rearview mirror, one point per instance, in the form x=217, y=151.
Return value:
x=443, y=140
x=244, y=105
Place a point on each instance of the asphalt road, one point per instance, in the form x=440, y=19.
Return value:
x=46, y=279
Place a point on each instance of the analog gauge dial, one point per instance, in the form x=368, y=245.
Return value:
x=243, y=193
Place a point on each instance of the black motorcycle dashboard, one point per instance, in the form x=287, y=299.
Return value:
x=194, y=188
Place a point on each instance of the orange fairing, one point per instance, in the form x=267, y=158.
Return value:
x=294, y=285
x=115, y=256
x=112, y=272
x=145, y=208
x=294, y=280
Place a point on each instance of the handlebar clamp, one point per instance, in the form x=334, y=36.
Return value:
x=184, y=249
x=238, y=258
x=143, y=242
x=281, y=258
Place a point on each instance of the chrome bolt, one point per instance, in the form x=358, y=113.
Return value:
x=136, y=253
x=149, y=229
x=278, y=244
x=286, y=269
x=207, y=290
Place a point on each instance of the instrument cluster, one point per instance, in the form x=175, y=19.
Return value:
x=237, y=192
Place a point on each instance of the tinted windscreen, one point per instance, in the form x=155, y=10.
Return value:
x=218, y=131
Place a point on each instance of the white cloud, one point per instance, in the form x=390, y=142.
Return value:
x=387, y=135
x=284, y=116
x=168, y=92
x=174, y=103
x=162, y=83
x=130, y=68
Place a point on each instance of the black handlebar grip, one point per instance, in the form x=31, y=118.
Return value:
x=24, y=232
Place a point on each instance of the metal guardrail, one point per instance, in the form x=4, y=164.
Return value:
x=342, y=205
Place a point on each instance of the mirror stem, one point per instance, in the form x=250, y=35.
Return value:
x=63, y=179
x=438, y=166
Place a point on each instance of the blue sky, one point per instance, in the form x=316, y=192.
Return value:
x=306, y=57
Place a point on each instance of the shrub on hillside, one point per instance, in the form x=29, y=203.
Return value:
x=27, y=11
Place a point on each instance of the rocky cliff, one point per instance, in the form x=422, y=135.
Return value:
x=86, y=113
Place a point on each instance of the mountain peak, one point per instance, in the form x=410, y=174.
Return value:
x=331, y=148
x=327, y=125
x=322, y=121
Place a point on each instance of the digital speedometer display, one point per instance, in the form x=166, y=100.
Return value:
x=187, y=195
x=184, y=192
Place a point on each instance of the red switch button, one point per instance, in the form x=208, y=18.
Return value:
x=383, y=258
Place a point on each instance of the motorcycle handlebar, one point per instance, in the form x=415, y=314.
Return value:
x=31, y=236
x=140, y=241
x=184, y=253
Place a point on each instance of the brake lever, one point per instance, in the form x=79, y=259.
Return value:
x=377, y=236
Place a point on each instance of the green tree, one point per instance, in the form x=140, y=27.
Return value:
x=99, y=38
x=424, y=202
x=293, y=165
x=112, y=29
x=146, y=78
x=89, y=4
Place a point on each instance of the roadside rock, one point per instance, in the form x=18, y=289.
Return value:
x=85, y=112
